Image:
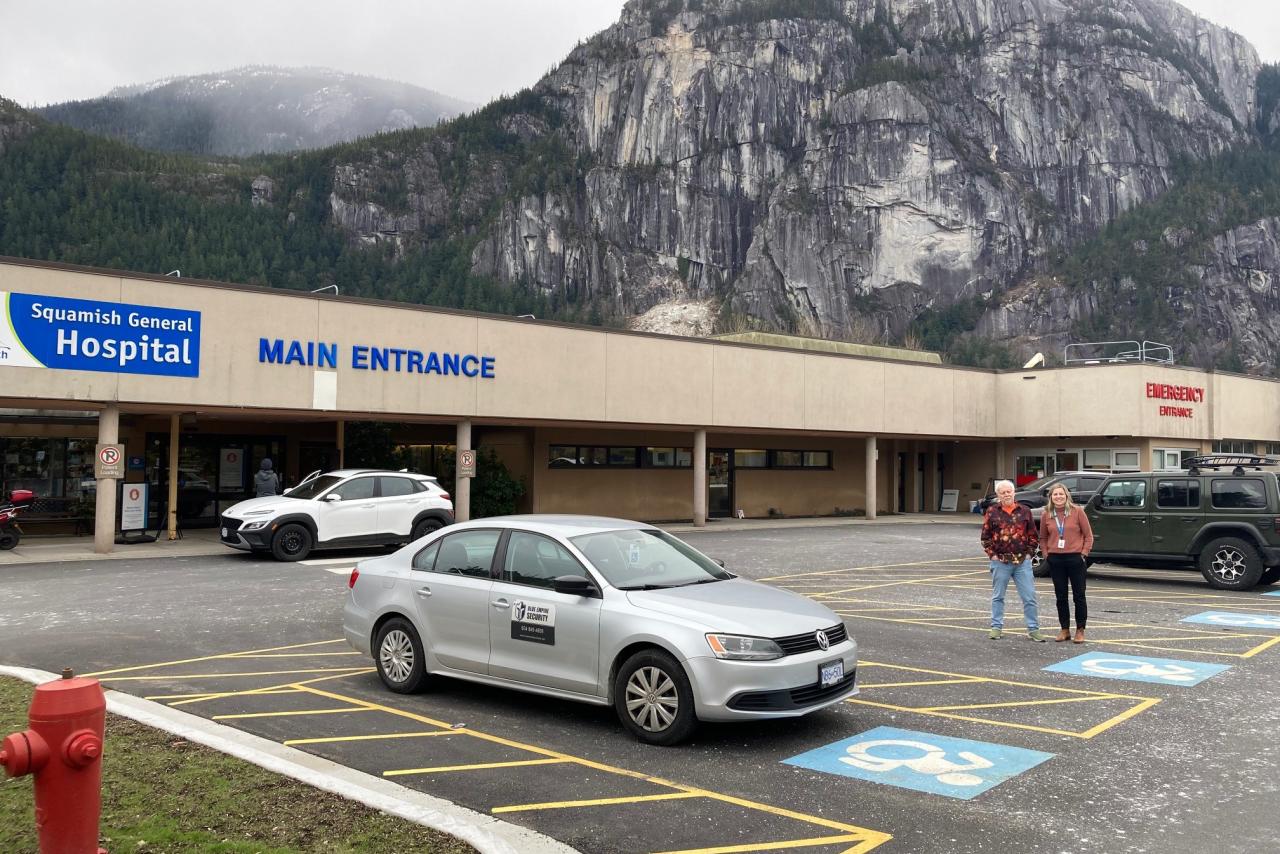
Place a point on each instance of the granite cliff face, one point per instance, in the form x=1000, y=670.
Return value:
x=840, y=170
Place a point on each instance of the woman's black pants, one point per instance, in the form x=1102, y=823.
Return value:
x=1064, y=568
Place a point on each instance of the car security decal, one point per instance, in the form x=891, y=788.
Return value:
x=532, y=622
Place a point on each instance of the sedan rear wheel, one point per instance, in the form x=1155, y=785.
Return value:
x=399, y=657
x=653, y=698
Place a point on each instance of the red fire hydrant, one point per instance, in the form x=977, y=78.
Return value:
x=63, y=749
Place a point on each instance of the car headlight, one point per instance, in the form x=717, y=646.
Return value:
x=743, y=648
x=257, y=525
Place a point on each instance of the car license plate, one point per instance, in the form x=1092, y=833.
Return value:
x=224, y=533
x=830, y=674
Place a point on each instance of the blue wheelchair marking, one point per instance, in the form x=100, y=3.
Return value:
x=954, y=767
x=1136, y=668
x=1233, y=620
x=1272, y=593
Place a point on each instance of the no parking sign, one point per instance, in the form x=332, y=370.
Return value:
x=466, y=463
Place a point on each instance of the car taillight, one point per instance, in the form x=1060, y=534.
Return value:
x=355, y=574
x=445, y=496
x=1276, y=524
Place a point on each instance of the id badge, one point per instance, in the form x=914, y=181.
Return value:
x=1062, y=543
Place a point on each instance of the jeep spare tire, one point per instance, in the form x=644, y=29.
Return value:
x=1230, y=563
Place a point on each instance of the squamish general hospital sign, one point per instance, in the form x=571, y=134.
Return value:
x=38, y=331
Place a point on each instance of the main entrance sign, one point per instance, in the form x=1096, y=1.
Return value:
x=39, y=331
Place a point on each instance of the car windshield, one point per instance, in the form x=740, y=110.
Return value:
x=1035, y=485
x=647, y=560
x=313, y=487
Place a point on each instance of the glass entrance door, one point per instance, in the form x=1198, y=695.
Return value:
x=720, y=483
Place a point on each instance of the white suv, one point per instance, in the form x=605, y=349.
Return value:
x=341, y=509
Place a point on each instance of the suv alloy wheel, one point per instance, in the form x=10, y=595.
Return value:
x=1228, y=563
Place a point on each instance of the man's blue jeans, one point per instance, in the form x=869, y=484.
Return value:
x=1024, y=581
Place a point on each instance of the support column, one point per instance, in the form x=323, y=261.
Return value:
x=104, y=517
x=172, y=501
x=462, y=485
x=1000, y=462
x=873, y=457
x=699, y=478
x=341, y=441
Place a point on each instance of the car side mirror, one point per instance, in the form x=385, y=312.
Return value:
x=333, y=496
x=575, y=585
x=719, y=562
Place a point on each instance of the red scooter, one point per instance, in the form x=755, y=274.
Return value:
x=10, y=533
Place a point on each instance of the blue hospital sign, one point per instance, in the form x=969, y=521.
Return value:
x=87, y=335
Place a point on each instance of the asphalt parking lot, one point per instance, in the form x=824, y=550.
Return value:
x=1156, y=735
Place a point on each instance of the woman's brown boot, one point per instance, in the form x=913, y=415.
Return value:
x=1064, y=635
x=1079, y=636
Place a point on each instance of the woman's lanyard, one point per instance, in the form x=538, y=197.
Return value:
x=1062, y=530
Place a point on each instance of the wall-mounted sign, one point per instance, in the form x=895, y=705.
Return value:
x=1188, y=393
x=364, y=357
x=231, y=468
x=466, y=463
x=108, y=461
x=38, y=331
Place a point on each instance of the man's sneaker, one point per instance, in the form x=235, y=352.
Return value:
x=1035, y=635
x=995, y=634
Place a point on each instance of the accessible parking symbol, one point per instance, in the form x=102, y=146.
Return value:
x=954, y=767
x=1134, y=668
x=1230, y=619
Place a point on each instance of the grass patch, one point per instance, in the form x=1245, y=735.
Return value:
x=164, y=794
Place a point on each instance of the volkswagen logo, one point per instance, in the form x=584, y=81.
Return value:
x=821, y=637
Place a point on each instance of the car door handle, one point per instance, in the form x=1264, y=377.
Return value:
x=423, y=592
x=1140, y=521
x=1189, y=519
x=500, y=603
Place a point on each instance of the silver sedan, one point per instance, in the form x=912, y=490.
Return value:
x=602, y=611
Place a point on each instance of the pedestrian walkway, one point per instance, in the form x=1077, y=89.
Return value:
x=204, y=541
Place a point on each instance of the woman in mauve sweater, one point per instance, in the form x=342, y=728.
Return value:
x=1065, y=541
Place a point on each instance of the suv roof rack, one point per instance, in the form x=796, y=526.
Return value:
x=1236, y=462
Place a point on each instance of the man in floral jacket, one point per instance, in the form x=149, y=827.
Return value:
x=1009, y=539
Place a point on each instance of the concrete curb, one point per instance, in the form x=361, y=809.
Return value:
x=487, y=834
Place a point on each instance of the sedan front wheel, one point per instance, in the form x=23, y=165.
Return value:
x=653, y=698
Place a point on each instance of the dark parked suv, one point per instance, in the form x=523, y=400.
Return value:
x=1221, y=515
x=1081, y=484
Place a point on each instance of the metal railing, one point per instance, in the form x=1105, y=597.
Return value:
x=1117, y=352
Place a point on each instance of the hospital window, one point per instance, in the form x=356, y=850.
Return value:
x=751, y=459
x=1234, y=446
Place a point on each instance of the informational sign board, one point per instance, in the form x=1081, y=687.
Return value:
x=231, y=468
x=108, y=461
x=133, y=507
x=950, y=498
x=40, y=331
x=466, y=464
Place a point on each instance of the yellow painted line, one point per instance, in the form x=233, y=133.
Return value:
x=173, y=678
x=1056, y=688
x=966, y=680
x=478, y=766
x=1013, y=703
x=294, y=654
x=596, y=802
x=338, y=738
x=288, y=687
x=290, y=714
x=1257, y=649
x=216, y=695
x=971, y=719
x=1120, y=718
x=891, y=584
x=779, y=846
x=920, y=563
x=873, y=837
x=102, y=673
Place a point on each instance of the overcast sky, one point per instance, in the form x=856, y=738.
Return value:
x=470, y=49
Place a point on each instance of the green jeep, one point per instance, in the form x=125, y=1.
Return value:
x=1221, y=515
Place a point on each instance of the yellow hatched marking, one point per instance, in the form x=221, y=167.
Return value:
x=780, y=846
x=964, y=680
x=102, y=673
x=338, y=738
x=892, y=584
x=1119, y=719
x=992, y=679
x=920, y=563
x=290, y=714
x=873, y=838
x=173, y=678
x=596, y=802
x=1012, y=703
x=215, y=695
x=295, y=654
x=972, y=719
x=477, y=766
x=288, y=687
